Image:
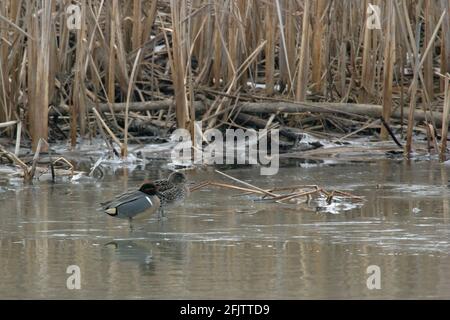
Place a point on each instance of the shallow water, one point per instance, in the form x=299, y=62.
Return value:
x=220, y=246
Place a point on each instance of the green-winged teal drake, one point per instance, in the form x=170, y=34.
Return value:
x=139, y=204
x=172, y=190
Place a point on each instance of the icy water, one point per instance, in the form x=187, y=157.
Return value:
x=220, y=246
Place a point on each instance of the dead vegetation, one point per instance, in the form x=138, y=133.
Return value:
x=281, y=194
x=329, y=68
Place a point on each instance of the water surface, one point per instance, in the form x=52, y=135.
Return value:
x=220, y=246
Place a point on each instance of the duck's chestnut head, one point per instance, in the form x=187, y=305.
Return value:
x=149, y=188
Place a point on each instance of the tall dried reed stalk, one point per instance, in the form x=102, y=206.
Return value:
x=294, y=48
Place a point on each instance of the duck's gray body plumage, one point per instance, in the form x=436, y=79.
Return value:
x=152, y=197
x=133, y=204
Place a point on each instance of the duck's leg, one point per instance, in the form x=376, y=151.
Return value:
x=161, y=213
x=130, y=220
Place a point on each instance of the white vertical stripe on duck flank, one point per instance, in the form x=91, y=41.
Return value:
x=149, y=201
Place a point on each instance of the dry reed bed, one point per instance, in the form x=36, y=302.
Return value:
x=160, y=62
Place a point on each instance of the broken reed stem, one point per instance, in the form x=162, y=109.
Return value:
x=247, y=184
x=18, y=138
x=199, y=186
x=367, y=125
x=179, y=64
x=229, y=186
x=348, y=195
x=389, y=59
x=41, y=73
x=303, y=66
x=270, y=48
x=64, y=160
x=124, y=146
x=296, y=195
x=110, y=132
x=283, y=42
x=414, y=86
x=31, y=172
x=7, y=124
x=274, y=197
x=15, y=159
x=292, y=189
x=224, y=185
x=445, y=115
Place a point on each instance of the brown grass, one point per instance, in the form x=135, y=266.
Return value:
x=148, y=50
